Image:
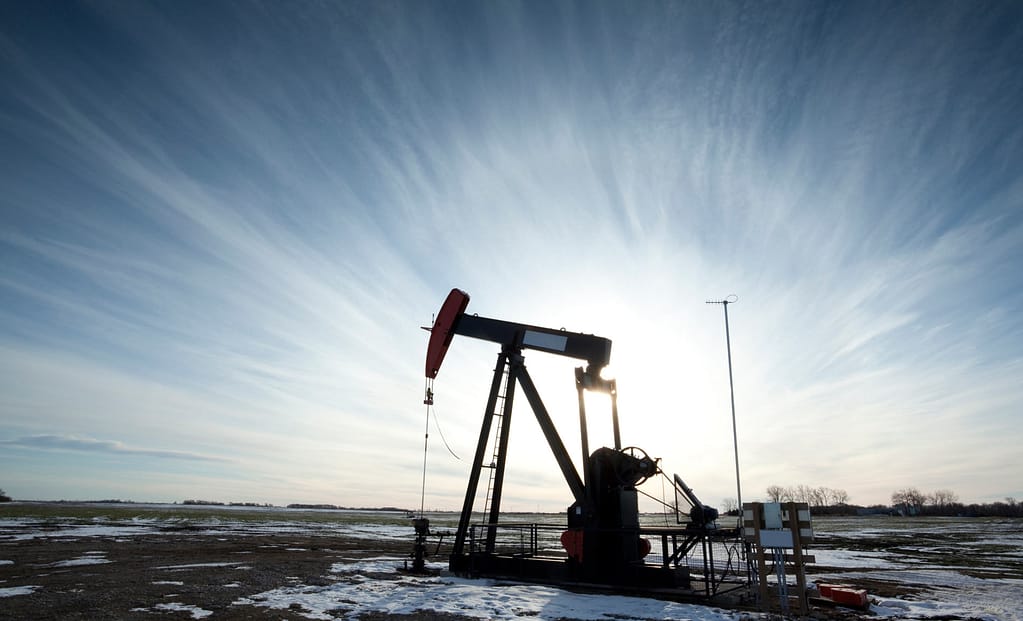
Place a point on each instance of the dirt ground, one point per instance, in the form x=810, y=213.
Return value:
x=141, y=574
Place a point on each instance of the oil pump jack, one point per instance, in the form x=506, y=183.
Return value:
x=604, y=543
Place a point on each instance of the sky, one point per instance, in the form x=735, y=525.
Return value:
x=223, y=225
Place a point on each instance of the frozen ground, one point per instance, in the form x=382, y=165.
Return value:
x=361, y=588
x=968, y=568
x=329, y=566
x=364, y=590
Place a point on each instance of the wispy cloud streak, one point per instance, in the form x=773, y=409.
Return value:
x=90, y=445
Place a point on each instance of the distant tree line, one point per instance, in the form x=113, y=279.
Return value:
x=945, y=502
x=4, y=497
x=340, y=508
x=821, y=499
x=217, y=503
x=912, y=500
x=906, y=501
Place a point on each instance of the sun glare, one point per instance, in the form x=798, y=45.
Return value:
x=669, y=365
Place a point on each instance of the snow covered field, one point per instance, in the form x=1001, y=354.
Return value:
x=936, y=568
x=970, y=568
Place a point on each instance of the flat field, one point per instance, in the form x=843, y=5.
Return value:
x=951, y=568
x=112, y=561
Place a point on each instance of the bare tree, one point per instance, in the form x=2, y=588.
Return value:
x=943, y=498
x=813, y=496
x=731, y=506
x=909, y=498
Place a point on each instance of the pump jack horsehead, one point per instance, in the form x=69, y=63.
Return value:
x=603, y=543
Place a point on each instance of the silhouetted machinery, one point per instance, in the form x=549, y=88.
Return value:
x=604, y=543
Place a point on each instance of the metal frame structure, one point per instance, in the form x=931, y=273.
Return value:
x=604, y=544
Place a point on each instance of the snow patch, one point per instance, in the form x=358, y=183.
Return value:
x=860, y=559
x=375, y=565
x=194, y=565
x=194, y=611
x=950, y=593
x=18, y=590
x=482, y=599
x=89, y=558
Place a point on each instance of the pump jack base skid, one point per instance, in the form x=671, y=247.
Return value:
x=561, y=571
x=693, y=564
x=647, y=580
x=703, y=582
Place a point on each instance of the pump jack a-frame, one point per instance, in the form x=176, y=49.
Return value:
x=604, y=543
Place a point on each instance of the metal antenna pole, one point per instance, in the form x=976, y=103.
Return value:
x=732, y=299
